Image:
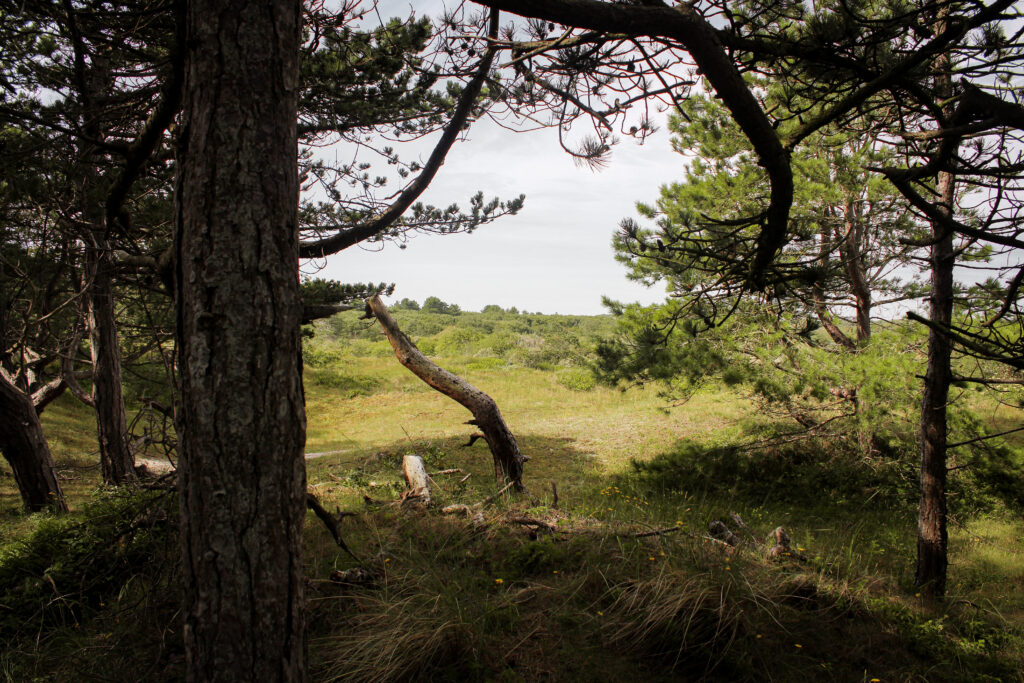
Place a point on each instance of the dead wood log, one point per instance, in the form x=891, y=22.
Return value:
x=508, y=460
x=416, y=478
x=720, y=532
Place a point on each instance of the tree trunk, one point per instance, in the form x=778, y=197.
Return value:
x=25, y=448
x=818, y=292
x=94, y=84
x=508, y=460
x=932, y=538
x=116, y=458
x=853, y=257
x=241, y=419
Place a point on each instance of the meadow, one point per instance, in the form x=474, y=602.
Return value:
x=604, y=570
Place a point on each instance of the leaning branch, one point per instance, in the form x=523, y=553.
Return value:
x=139, y=153
x=508, y=460
x=686, y=26
x=350, y=236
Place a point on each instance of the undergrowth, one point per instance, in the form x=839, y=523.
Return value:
x=621, y=582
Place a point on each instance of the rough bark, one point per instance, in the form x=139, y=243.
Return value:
x=241, y=418
x=853, y=258
x=116, y=458
x=25, y=448
x=508, y=460
x=932, y=536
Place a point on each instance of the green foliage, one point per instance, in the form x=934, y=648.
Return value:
x=434, y=305
x=442, y=329
x=790, y=473
x=317, y=291
x=455, y=341
x=328, y=365
x=406, y=305
x=577, y=379
x=356, y=79
x=844, y=218
x=832, y=419
x=66, y=568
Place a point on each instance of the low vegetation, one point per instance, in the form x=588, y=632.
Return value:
x=606, y=570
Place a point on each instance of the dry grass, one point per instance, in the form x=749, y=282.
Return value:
x=607, y=424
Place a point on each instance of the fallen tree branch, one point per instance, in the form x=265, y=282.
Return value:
x=330, y=521
x=490, y=499
x=508, y=460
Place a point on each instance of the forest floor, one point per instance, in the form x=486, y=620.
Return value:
x=616, y=578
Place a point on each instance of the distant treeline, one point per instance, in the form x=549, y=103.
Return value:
x=432, y=304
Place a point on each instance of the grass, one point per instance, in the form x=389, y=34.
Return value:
x=449, y=599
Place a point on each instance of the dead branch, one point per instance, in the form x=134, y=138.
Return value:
x=330, y=521
x=508, y=460
x=490, y=499
x=472, y=439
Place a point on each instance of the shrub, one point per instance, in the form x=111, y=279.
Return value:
x=69, y=565
x=577, y=379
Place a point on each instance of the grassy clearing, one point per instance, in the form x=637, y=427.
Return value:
x=449, y=599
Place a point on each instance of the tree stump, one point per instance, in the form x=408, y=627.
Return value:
x=416, y=479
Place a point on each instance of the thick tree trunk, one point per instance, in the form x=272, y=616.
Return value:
x=508, y=460
x=241, y=419
x=116, y=458
x=932, y=538
x=25, y=448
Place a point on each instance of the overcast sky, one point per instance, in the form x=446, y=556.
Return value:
x=555, y=256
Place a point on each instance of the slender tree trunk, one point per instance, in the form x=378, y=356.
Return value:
x=818, y=291
x=853, y=257
x=932, y=537
x=241, y=418
x=94, y=83
x=25, y=448
x=116, y=458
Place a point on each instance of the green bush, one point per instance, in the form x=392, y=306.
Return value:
x=577, y=379
x=456, y=341
x=68, y=566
